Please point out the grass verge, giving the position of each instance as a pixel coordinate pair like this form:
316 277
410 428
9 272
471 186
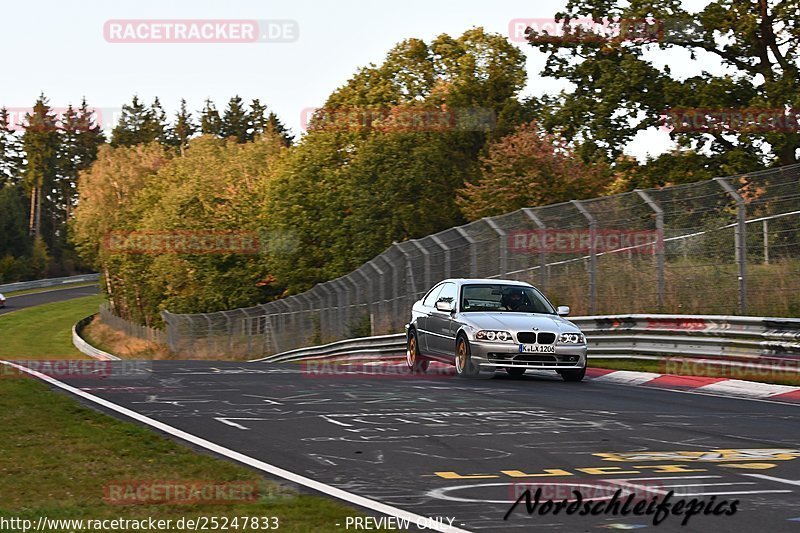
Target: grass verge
45 331
58 458
689 368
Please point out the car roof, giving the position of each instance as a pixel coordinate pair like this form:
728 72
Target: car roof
466 281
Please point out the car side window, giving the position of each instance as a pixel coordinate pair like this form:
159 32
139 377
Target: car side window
449 293
430 300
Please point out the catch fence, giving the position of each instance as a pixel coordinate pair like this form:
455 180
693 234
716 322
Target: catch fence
727 246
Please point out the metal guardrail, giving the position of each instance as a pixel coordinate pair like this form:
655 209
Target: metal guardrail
85 347
52 282
759 341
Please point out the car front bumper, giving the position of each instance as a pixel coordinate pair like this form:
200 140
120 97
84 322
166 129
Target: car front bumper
491 355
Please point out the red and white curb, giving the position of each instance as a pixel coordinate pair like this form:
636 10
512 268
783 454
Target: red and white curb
735 388
715 386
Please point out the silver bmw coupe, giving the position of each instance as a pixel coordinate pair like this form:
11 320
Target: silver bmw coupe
481 325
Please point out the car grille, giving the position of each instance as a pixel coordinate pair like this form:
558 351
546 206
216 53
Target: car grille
530 337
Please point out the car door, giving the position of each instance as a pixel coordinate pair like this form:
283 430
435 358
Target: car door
422 319
440 323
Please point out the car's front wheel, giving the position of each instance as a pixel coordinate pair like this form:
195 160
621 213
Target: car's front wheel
573 375
415 361
465 367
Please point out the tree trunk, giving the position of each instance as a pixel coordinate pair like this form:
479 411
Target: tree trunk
32 221
37 222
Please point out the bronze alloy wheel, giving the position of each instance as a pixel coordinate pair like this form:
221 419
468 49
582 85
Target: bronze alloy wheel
464 366
414 361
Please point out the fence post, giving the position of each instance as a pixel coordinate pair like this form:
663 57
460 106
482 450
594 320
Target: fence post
426 261
473 251
765 231
592 254
740 241
410 281
543 277
446 249
502 235
307 317
395 286
660 252
369 298
343 309
326 331
381 292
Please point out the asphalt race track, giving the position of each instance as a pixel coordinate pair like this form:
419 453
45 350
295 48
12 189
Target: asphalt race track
14 303
441 446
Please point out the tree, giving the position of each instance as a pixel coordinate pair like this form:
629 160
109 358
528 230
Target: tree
80 139
10 151
138 124
14 238
621 87
529 168
262 122
235 121
210 121
107 203
184 128
160 124
40 143
275 126
383 159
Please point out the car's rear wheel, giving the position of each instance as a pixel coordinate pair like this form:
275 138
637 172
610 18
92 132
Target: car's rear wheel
573 375
515 371
415 361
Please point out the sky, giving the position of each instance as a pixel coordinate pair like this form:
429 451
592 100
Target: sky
59 47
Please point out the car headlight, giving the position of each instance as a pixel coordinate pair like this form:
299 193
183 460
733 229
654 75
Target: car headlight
571 338
489 335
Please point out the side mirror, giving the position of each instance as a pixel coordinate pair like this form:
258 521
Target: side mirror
445 305
563 310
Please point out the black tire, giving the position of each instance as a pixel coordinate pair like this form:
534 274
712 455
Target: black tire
414 360
573 375
465 368
515 371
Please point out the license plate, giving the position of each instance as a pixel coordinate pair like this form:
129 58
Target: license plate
537 348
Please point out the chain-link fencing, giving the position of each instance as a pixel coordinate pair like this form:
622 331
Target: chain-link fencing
724 246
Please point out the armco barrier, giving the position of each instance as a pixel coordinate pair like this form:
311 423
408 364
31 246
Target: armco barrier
731 340
52 282
85 347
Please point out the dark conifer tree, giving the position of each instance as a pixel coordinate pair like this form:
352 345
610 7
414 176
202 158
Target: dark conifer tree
210 121
235 121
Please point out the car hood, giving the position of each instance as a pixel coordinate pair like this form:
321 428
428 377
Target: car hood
518 322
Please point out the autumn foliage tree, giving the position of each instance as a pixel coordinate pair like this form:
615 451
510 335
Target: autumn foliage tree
529 168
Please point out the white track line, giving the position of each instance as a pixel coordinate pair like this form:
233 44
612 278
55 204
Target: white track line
777 479
349 497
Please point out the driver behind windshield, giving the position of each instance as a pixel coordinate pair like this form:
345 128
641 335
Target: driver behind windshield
514 300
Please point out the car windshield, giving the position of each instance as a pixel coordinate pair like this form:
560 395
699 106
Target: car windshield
504 299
